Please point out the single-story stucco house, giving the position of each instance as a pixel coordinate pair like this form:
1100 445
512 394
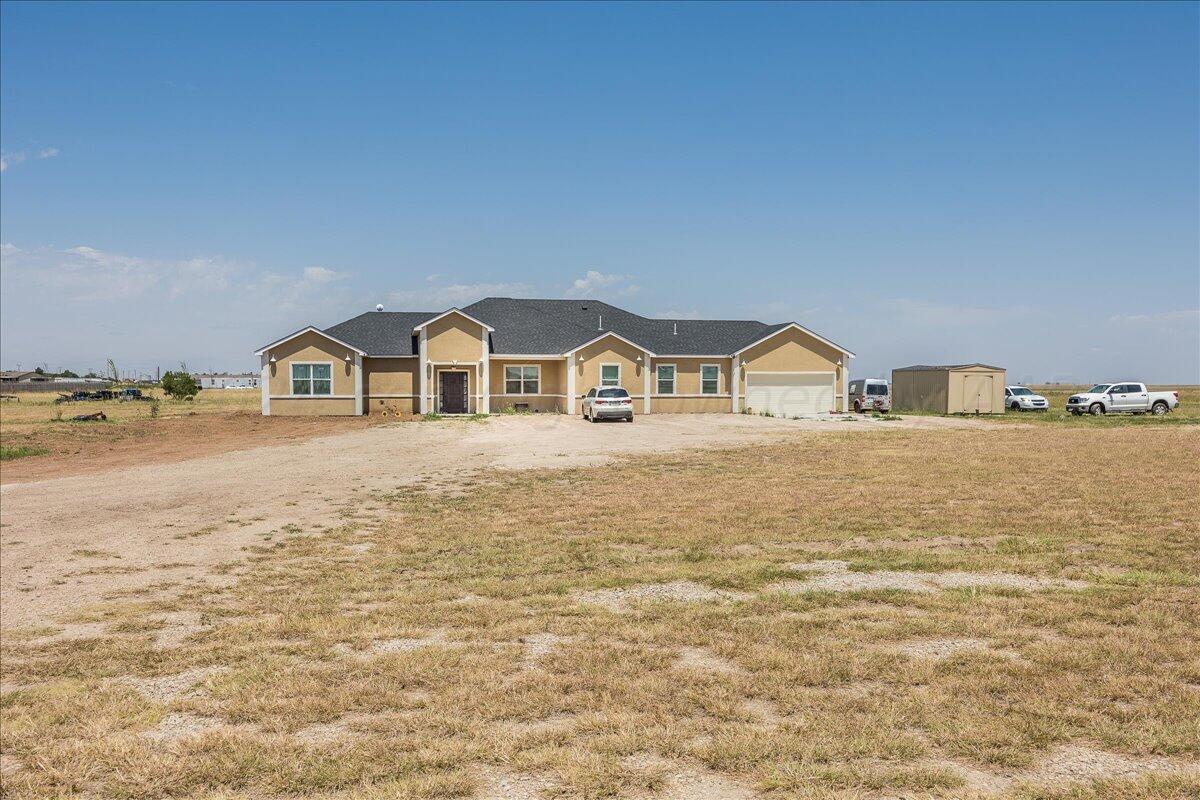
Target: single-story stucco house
543 355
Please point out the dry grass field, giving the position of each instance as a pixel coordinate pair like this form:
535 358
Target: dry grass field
992 611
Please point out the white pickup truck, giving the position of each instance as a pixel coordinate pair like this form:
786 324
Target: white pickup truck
1122 398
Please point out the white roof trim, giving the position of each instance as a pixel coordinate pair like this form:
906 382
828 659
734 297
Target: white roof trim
461 313
798 327
643 348
309 329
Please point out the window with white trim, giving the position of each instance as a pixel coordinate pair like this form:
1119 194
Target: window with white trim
522 379
610 374
312 379
710 379
666 378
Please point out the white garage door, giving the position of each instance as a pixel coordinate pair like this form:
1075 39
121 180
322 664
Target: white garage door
786 394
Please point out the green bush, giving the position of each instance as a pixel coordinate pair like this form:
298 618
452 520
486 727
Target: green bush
180 385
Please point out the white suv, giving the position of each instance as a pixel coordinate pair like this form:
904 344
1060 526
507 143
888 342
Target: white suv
1019 398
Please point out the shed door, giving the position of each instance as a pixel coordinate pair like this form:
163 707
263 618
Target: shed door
786 394
977 393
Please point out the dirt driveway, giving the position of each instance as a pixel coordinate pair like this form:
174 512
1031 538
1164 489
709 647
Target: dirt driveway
71 541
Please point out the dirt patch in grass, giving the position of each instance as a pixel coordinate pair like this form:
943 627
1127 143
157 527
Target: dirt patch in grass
169 687
620 599
1068 765
836 576
704 659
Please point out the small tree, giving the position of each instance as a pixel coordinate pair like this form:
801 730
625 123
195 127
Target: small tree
66 373
180 385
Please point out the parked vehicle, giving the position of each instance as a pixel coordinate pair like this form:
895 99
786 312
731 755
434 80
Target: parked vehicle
607 402
1122 398
131 393
1020 398
870 394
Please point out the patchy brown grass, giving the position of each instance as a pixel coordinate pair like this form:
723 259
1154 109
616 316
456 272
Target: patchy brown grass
456 654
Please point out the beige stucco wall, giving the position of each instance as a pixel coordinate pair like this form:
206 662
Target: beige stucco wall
920 390
609 350
552 386
687 377
959 402
390 376
390 385
793 350
660 404
454 337
318 407
310 346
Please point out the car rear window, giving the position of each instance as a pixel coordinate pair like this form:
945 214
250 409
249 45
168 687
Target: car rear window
612 393
876 388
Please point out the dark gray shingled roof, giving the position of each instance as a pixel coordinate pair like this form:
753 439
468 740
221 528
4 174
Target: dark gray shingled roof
381 333
943 367
556 326
552 327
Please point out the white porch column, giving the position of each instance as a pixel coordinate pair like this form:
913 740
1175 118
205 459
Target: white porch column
570 409
646 385
485 402
735 382
845 388
423 377
265 383
358 385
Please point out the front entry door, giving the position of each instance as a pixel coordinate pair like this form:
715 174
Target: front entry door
452 392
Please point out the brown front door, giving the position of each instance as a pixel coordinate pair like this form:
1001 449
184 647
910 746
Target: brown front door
453 392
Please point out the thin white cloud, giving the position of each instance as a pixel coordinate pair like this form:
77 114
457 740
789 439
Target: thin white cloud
1186 315
16 157
437 296
677 315
600 285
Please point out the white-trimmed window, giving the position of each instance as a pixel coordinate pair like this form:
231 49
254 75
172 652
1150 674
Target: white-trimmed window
710 379
522 379
666 378
610 374
312 379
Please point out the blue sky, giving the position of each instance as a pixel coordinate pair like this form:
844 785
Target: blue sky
1015 184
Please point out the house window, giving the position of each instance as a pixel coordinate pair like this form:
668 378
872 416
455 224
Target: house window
522 380
710 379
309 379
666 378
610 374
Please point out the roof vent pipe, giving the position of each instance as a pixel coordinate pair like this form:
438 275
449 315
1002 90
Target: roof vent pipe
675 329
600 322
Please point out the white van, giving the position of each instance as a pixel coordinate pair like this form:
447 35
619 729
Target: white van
870 394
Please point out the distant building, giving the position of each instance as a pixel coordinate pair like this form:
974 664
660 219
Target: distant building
227 380
14 376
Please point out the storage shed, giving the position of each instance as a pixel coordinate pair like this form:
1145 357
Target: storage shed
949 388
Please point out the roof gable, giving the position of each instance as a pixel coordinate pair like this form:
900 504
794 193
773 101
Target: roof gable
309 329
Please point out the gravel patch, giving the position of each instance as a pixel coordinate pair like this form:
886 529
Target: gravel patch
381 647
935 649
502 784
176 726
180 626
704 659
683 781
169 687
538 645
618 600
835 576
1066 765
